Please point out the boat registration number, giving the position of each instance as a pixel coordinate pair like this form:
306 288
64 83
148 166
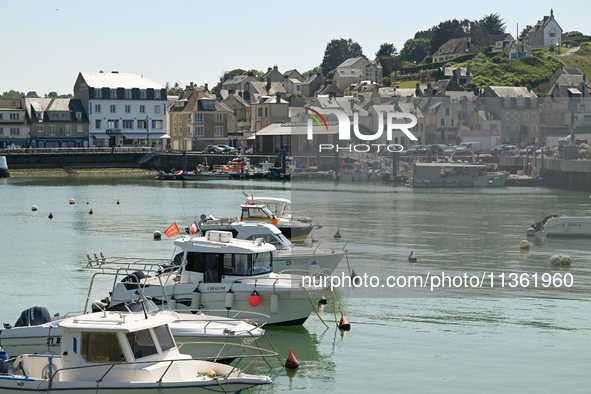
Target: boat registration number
54 341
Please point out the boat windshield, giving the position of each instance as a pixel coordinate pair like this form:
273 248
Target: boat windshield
164 337
261 263
99 347
247 264
141 343
277 240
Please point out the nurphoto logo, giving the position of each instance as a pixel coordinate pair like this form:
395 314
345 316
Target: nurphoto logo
315 114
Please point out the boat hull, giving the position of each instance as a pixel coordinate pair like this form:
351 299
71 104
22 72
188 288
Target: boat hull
307 259
568 226
295 231
426 175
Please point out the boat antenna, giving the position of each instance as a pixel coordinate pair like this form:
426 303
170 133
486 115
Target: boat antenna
182 206
72 283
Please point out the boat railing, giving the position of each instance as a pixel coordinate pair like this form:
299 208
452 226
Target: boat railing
55 375
256 319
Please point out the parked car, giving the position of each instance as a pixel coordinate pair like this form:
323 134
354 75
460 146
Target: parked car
541 149
413 149
469 148
423 149
510 150
438 148
528 150
497 149
227 148
450 149
213 149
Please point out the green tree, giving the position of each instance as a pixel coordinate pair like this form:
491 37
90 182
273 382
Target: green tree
52 95
493 23
415 50
442 33
229 74
479 35
386 81
174 90
386 50
313 71
337 51
13 95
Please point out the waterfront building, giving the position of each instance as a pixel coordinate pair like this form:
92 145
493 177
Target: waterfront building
14 126
124 110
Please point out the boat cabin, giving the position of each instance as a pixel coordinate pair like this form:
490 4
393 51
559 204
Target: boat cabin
218 258
267 232
255 211
278 206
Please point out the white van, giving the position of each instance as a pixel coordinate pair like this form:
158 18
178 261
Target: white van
469 147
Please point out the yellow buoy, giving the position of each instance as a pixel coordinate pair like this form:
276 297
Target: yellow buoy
72 201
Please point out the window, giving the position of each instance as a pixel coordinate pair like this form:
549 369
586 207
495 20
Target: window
128 109
141 343
39 129
516 116
199 131
142 94
127 93
189 118
15 131
260 112
141 124
525 116
68 130
453 123
97 108
266 112
128 124
39 116
218 131
164 337
174 132
54 116
587 119
156 109
198 118
97 124
15 116
157 94
52 130
515 127
442 122
79 128
65 116
507 116
534 128
79 116
113 124
494 126
507 128
98 93
188 131
113 93
2 116
142 109
157 124
533 116
100 348
1 130
218 117
447 112
113 108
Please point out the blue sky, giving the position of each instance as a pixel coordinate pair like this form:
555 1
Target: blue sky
46 43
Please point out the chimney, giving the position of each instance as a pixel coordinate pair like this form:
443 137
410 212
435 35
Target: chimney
206 88
231 92
250 74
268 83
318 74
278 98
240 93
269 69
192 84
275 67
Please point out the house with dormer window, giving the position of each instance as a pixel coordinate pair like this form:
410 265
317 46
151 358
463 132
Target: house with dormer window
14 127
544 33
357 69
453 48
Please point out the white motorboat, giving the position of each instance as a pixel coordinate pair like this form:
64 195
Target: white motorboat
288 256
199 335
123 353
219 272
456 175
280 207
567 226
253 212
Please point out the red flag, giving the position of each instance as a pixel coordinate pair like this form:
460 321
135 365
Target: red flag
172 230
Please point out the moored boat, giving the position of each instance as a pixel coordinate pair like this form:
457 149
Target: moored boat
455 175
124 353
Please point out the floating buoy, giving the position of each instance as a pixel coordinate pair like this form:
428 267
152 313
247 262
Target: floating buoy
565 260
34 208
530 232
157 235
292 362
254 299
90 212
196 298
274 303
524 244
72 201
338 233
323 300
50 215
117 202
344 324
412 258
229 299
555 260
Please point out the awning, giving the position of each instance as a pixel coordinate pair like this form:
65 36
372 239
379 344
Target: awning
100 135
165 137
142 136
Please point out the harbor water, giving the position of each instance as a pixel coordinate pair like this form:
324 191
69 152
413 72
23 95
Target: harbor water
478 336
